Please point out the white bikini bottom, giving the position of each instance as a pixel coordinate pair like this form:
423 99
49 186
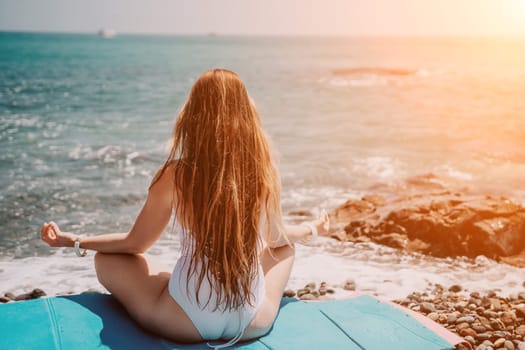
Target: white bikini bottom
218 324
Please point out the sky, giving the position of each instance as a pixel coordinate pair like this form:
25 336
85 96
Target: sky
270 17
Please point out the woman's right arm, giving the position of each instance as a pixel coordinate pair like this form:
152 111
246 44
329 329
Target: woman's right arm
147 228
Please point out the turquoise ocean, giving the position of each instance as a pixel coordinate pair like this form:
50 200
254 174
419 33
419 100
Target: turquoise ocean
84 121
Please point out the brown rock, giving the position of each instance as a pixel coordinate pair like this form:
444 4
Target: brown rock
306 213
310 286
498 343
482 336
452 317
37 293
467 319
289 293
497 324
516 260
460 306
25 296
470 339
394 240
520 310
361 239
4 300
462 325
500 334
490 314
307 296
508 317
520 330
486 345
340 236
375 199
302 292
475 301
462 346
349 285
427 307
495 304
467 331
479 328
353 210
455 288
508 345
441 224
433 316
442 318
418 245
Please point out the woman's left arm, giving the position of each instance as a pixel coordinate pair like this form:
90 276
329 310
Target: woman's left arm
147 229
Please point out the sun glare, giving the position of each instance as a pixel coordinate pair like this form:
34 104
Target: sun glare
514 10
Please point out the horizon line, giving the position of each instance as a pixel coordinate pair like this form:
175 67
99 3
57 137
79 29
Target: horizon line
267 35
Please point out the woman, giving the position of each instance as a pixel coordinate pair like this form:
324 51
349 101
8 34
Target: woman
236 255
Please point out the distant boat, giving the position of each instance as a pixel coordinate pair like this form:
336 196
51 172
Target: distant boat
106 33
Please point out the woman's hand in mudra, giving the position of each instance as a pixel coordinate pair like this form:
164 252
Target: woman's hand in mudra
322 224
51 234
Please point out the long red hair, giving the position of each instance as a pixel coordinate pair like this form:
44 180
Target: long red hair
225 183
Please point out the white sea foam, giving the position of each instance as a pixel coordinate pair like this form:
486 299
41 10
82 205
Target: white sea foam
364 77
457 174
355 82
375 269
379 168
314 199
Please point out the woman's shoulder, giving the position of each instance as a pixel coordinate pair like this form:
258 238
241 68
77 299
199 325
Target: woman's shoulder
165 174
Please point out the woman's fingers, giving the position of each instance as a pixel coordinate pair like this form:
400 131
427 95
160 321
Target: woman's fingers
54 226
43 231
48 233
54 231
52 235
325 222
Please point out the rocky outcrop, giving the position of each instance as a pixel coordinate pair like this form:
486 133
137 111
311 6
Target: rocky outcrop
440 224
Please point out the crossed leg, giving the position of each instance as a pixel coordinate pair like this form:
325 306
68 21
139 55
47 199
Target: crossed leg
277 264
141 286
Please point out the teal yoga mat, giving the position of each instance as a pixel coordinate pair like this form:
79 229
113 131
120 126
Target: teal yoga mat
98 321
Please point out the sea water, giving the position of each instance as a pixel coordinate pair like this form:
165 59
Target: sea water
84 123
